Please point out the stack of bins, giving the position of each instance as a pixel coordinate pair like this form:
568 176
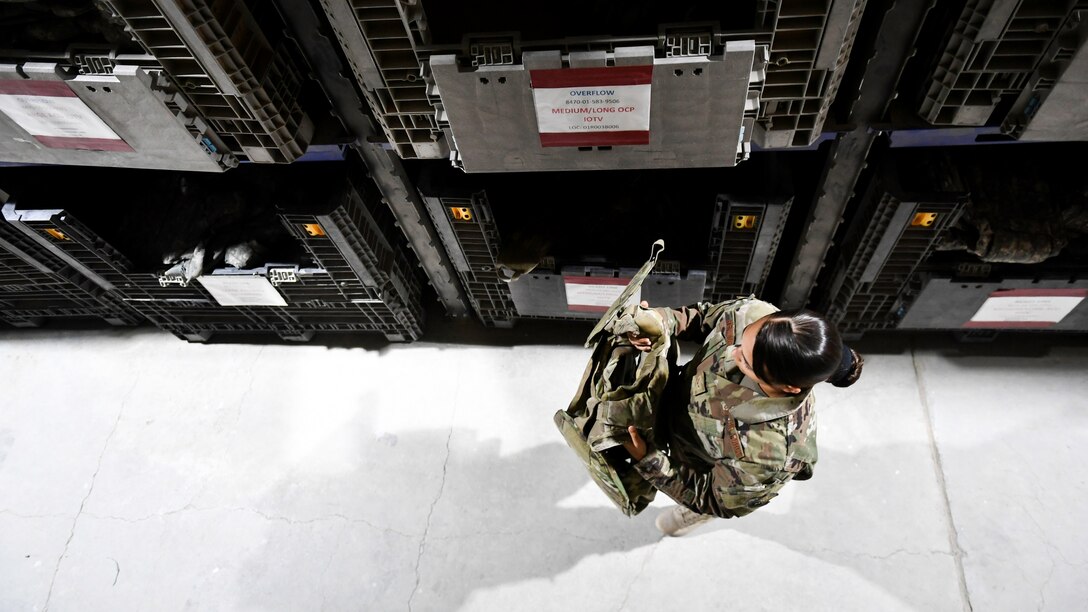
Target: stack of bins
354 277
523 274
244 79
895 229
988 57
391 49
809 50
115 110
37 286
84 251
369 282
1050 106
379 38
77 89
1018 257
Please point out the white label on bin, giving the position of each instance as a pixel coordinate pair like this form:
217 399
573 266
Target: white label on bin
1026 308
235 290
588 294
52 113
578 107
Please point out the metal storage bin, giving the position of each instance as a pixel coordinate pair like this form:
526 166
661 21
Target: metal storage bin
810 46
1016 304
740 259
36 287
202 317
468 232
562 246
894 230
102 109
1051 106
360 280
743 243
471 237
702 91
1002 54
380 39
364 261
584 292
1017 258
643 111
975 240
244 79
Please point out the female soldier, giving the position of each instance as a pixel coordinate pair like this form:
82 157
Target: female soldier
738 421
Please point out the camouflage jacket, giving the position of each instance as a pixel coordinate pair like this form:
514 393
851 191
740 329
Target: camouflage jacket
730 448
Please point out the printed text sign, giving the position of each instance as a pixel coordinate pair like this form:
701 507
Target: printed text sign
56 118
593 106
232 290
1026 308
589 294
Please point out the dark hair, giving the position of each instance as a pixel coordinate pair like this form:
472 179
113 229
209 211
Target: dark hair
801 348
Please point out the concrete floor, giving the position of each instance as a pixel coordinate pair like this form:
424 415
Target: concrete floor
138 472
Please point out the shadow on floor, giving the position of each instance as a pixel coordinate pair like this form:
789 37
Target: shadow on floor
498 521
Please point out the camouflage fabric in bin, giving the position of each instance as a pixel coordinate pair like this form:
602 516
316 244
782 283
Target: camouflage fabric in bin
620 387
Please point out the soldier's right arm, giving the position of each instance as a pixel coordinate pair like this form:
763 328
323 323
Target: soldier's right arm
718 492
695 322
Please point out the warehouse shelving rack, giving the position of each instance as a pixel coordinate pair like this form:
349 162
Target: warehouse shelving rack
360 280
469 234
1003 57
36 287
877 276
389 47
744 239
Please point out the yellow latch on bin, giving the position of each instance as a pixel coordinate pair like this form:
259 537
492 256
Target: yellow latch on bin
745 222
923 219
55 233
460 213
313 229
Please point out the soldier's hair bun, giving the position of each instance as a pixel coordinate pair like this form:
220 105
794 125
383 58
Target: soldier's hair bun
849 369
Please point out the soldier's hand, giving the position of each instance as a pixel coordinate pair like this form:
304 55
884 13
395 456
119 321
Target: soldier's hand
642 343
637 446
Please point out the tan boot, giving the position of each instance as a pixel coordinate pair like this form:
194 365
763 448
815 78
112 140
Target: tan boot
679 520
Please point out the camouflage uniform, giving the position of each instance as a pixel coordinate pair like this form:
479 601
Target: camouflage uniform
729 449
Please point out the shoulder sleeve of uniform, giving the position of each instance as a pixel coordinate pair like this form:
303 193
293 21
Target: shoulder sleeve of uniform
654 465
750 310
695 322
676 481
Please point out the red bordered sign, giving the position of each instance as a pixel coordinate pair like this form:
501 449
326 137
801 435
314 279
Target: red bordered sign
52 113
592 294
578 107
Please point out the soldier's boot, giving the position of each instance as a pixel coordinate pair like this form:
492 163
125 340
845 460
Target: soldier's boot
679 521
